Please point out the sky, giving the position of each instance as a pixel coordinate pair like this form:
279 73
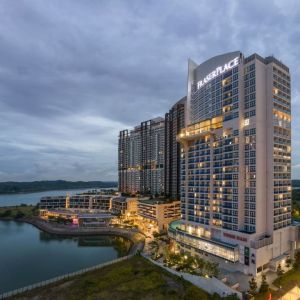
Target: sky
74 73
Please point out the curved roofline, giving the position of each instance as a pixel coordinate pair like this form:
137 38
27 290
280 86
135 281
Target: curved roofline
181 101
221 55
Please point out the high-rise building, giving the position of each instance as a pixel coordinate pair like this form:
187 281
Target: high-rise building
123 160
141 158
236 162
174 122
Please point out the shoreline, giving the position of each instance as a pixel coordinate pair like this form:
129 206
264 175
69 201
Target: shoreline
136 238
53 190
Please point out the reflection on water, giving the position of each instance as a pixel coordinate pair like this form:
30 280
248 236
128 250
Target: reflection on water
120 244
28 255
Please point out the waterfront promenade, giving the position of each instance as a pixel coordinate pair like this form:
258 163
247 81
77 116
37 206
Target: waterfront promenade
137 238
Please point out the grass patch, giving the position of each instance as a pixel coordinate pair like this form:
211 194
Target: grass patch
288 280
135 278
285 283
19 211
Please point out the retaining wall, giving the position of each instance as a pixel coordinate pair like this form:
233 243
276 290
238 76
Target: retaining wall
210 285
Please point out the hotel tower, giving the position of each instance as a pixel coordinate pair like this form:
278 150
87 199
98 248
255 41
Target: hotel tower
236 163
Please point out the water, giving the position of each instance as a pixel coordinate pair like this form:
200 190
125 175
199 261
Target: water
28 255
34 198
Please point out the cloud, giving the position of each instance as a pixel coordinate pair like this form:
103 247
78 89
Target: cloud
74 73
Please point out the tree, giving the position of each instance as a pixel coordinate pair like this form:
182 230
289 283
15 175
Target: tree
279 271
7 213
252 286
200 262
212 269
231 297
264 287
19 215
216 296
288 262
297 260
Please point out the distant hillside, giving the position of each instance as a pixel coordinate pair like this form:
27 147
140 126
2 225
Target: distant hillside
40 186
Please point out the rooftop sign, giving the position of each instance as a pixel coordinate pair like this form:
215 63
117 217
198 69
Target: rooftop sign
219 70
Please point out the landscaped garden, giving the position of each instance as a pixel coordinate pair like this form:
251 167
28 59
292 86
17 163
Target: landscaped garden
191 264
160 250
283 283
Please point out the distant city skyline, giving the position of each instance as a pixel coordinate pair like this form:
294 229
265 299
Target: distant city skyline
73 74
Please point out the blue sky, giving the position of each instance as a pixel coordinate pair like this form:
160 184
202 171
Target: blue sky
74 73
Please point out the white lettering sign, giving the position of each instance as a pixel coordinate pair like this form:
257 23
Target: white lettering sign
219 70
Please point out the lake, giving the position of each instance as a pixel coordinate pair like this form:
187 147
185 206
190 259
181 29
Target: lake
28 255
34 198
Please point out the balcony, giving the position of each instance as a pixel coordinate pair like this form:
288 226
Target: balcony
264 241
200 129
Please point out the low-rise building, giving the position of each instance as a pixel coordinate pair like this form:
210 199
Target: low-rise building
124 205
82 201
158 213
79 217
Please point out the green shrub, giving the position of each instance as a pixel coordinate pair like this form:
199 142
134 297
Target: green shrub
19 215
6 213
252 286
264 287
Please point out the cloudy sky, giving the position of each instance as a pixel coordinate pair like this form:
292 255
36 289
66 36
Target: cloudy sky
74 73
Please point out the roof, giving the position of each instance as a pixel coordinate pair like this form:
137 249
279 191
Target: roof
181 101
157 201
119 199
63 212
175 224
82 215
92 216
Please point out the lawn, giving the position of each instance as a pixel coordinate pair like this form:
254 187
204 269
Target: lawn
135 278
285 283
289 279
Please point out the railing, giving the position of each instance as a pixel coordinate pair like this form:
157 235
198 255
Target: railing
58 278
262 242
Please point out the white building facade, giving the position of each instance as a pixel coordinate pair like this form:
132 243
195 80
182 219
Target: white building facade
236 162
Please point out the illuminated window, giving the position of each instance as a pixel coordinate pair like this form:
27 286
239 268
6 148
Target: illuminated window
246 122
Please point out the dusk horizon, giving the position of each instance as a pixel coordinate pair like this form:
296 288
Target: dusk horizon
73 75
150 149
